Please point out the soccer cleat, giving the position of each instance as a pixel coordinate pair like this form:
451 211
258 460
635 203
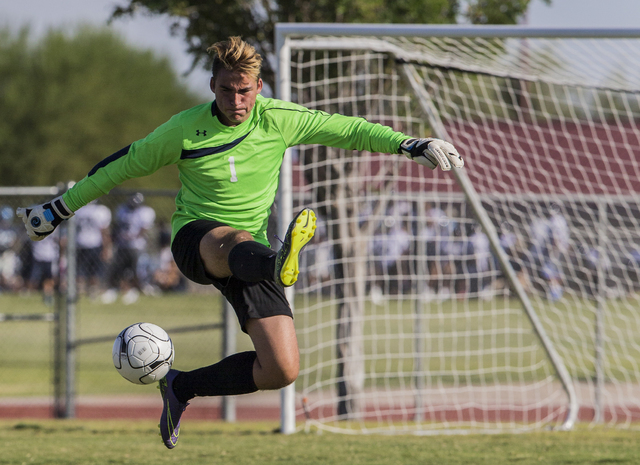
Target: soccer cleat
300 231
171 411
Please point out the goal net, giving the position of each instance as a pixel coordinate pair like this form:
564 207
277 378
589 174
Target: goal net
503 297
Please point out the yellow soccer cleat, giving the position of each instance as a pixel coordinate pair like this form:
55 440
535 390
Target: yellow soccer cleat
300 232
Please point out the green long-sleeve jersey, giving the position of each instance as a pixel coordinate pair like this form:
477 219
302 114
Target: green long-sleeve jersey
230 174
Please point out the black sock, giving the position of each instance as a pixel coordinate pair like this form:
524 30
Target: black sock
230 376
251 262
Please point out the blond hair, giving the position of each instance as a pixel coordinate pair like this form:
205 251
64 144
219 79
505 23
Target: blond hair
235 55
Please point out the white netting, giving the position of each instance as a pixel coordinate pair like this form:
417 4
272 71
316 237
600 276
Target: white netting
404 319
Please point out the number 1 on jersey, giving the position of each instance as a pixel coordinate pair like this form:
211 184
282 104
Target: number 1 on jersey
232 167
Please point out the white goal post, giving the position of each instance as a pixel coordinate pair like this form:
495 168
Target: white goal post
500 297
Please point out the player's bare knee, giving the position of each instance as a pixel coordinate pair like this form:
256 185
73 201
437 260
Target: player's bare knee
289 374
242 236
283 376
278 375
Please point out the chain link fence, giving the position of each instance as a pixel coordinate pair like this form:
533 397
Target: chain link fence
63 300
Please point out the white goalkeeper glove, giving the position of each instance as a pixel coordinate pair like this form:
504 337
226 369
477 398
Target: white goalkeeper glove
431 153
42 220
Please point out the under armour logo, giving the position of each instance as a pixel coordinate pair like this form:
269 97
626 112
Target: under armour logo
201 133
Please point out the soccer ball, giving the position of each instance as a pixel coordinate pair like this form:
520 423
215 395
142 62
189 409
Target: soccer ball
143 353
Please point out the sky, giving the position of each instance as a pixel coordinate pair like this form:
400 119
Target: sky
141 31
585 13
153 32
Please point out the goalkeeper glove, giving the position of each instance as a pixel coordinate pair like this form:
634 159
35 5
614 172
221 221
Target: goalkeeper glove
431 153
42 220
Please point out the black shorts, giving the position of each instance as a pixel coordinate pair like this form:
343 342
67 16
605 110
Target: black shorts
249 300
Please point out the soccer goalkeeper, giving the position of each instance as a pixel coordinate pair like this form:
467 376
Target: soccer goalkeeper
229 154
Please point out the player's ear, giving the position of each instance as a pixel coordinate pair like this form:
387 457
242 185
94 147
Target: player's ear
259 85
212 84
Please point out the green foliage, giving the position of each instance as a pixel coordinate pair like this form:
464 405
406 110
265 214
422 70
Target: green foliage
367 11
204 23
497 11
71 99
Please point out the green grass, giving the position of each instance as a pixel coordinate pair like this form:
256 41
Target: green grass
454 337
118 442
469 336
28 345
496 334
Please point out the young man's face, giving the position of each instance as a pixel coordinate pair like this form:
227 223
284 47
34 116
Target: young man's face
235 96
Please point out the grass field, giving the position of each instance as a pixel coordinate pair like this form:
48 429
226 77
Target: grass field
26 369
388 330
117 442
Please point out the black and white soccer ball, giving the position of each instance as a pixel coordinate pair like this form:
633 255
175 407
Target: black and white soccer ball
143 353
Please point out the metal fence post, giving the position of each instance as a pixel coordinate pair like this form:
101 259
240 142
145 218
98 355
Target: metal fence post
71 299
58 357
228 405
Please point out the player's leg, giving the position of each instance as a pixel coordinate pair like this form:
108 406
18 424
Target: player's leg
226 251
274 364
186 252
277 359
263 312
265 315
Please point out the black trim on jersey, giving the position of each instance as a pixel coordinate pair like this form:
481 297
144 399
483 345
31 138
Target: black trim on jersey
197 153
119 154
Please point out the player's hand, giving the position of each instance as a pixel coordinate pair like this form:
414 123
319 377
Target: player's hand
431 153
42 220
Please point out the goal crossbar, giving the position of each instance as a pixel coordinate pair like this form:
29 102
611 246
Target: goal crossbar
294 30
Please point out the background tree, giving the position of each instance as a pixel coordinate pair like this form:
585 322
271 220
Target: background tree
70 100
203 23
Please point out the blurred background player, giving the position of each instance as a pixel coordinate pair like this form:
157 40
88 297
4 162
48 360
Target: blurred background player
549 240
390 247
10 279
132 222
437 235
513 243
94 245
167 277
475 262
44 266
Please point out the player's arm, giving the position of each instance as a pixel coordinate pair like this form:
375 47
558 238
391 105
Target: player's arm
162 147
315 127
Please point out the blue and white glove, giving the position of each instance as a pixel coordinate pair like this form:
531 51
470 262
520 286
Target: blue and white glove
42 220
431 153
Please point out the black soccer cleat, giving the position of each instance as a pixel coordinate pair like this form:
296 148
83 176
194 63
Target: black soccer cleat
172 410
